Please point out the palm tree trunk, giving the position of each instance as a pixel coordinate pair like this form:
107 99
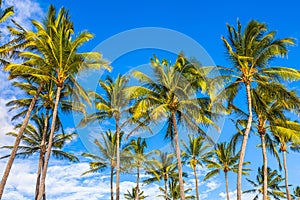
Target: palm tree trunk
118 160
111 183
264 152
227 189
178 154
196 181
48 153
44 194
166 188
244 143
42 155
137 183
286 176
18 140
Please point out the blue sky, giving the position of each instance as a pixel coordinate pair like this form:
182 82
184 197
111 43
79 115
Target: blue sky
204 22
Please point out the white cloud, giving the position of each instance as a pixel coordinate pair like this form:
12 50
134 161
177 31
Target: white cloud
212 185
232 195
25 11
64 181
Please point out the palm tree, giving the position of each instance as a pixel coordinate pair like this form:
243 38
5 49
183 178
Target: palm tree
287 136
270 103
168 96
113 106
250 51
274 189
141 159
58 50
164 168
195 152
13 74
44 102
134 194
223 160
33 138
107 157
174 192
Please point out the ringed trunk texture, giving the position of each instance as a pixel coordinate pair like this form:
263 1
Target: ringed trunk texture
111 183
18 140
178 154
118 160
196 181
137 183
227 189
244 143
265 160
286 176
48 153
42 155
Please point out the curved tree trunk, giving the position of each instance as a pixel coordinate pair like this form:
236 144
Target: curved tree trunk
137 183
111 183
48 153
264 152
196 182
42 154
227 189
178 154
286 176
244 143
166 189
18 140
118 160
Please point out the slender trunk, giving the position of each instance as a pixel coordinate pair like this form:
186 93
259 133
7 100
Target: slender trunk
118 160
244 143
111 183
37 185
137 183
48 153
178 154
286 176
264 152
44 194
227 189
166 188
196 181
42 154
18 140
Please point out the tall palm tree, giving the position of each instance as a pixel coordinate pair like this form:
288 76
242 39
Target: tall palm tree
140 159
167 95
164 168
270 103
45 102
133 194
223 160
33 138
113 105
250 50
107 156
274 187
40 78
287 136
195 152
57 49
